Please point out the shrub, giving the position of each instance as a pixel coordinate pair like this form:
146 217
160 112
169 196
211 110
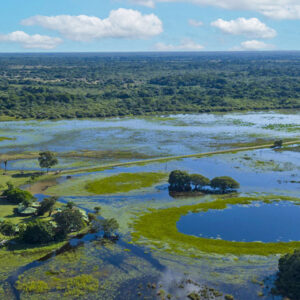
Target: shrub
8 228
38 232
17 196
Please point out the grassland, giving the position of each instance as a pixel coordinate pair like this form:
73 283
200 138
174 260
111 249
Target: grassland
124 182
157 229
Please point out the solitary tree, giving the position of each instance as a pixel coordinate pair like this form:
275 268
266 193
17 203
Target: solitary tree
5 165
179 181
277 144
97 210
224 183
47 160
199 181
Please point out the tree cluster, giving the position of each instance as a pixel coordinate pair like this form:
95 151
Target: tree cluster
181 181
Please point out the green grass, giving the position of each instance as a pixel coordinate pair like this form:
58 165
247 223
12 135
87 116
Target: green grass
157 228
7 213
124 182
72 287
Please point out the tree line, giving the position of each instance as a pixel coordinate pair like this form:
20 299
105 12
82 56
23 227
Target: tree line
80 86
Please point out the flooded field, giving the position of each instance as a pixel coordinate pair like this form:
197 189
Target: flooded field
169 246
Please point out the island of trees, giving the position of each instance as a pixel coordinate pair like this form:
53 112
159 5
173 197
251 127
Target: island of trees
182 181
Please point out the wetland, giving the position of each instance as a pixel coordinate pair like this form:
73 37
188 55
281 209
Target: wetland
221 246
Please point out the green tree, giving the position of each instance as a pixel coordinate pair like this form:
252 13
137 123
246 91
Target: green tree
17 196
47 160
47 205
70 204
97 210
288 276
199 181
224 183
277 144
179 181
38 232
69 220
7 228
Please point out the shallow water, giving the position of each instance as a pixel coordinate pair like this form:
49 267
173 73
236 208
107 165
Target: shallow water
150 135
276 222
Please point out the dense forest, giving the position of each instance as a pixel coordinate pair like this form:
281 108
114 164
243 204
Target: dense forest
54 86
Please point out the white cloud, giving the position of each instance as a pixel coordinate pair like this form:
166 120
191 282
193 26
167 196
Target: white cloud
253 28
121 23
276 9
27 41
148 3
255 45
195 23
185 45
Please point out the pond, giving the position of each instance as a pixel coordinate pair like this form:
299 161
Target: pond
276 222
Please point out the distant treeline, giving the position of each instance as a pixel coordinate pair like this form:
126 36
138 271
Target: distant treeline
94 85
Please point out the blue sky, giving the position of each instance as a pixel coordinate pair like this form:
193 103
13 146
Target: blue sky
149 25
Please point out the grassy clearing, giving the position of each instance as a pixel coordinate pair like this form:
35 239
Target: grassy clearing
157 228
124 182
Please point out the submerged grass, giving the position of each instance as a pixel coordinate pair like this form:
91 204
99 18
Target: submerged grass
124 182
157 228
72 287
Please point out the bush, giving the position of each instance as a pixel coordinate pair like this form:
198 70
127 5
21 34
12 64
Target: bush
287 282
8 228
38 232
17 196
108 226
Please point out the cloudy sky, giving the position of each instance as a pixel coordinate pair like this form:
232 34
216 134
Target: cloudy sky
149 25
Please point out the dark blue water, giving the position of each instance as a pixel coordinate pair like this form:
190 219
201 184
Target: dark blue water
258 222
